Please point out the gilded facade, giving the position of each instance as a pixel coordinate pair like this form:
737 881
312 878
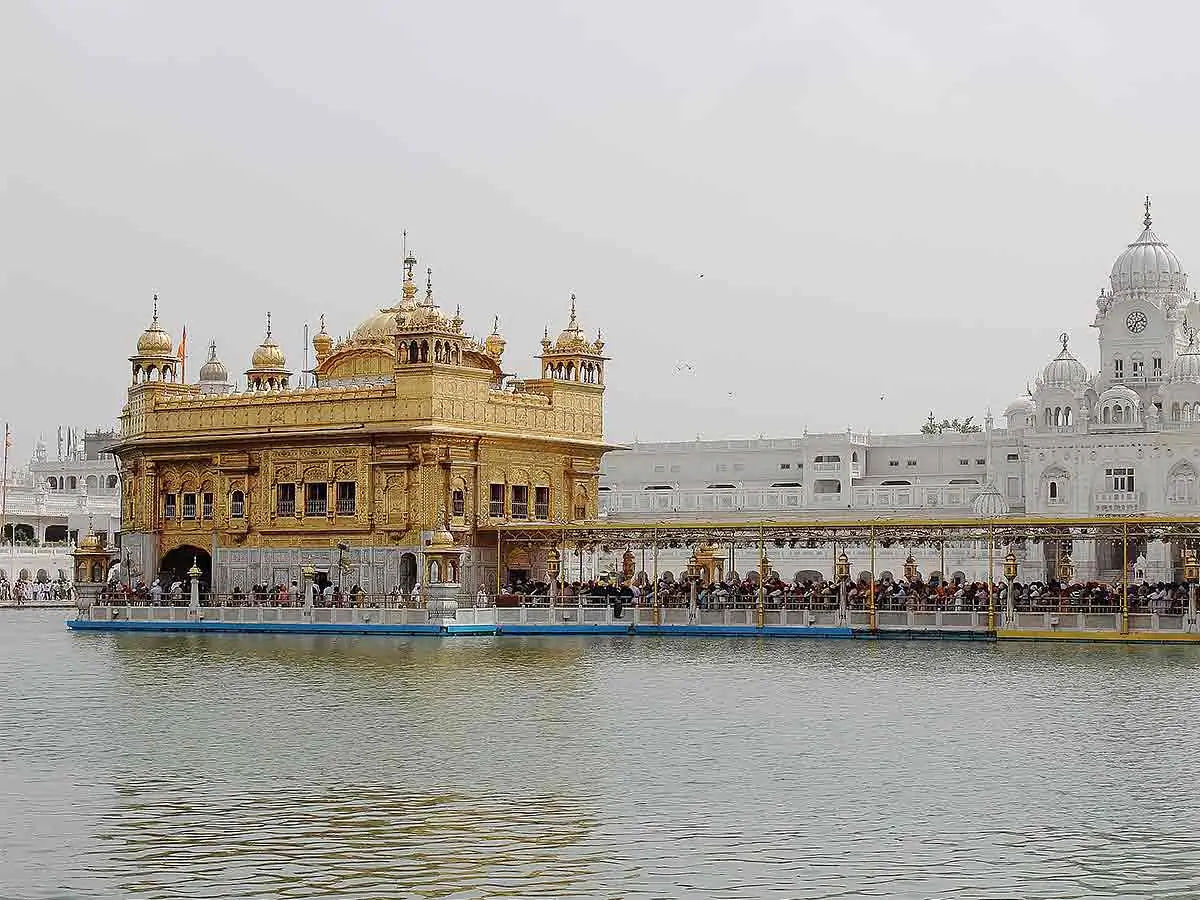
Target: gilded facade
410 424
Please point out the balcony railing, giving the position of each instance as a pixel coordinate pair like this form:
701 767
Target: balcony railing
314 507
827 467
285 508
1118 501
346 507
827 499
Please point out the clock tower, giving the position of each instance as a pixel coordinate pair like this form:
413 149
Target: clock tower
1140 317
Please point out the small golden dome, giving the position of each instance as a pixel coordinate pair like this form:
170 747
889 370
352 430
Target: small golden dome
441 538
90 543
268 354
571 338
494 344
154 341
322 342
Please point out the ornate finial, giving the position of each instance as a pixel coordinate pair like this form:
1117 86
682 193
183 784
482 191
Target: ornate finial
268 325
458 310
322 323
496 325
1064 339
571 324
546 333
154 321
212 351
429 284
597 335
1146 220
404 242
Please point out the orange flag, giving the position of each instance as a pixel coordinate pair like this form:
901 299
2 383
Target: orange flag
183 355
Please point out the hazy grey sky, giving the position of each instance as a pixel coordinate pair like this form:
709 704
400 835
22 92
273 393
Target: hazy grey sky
900 199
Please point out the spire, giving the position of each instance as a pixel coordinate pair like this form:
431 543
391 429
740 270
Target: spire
410 289
212 351
572 324
429 285
268 325
1065 339
1146 220
154 321
496 325
322 323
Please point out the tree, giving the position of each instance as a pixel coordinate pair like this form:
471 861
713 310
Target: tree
961 426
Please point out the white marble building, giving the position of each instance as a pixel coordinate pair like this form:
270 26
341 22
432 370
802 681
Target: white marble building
1124 440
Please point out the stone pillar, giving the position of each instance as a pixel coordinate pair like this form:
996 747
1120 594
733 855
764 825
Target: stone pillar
1158 561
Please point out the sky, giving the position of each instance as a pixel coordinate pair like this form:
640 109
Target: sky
782 215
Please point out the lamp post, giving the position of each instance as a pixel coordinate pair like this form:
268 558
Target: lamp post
1191 574
841 571
309 572
1010 575
1066 571
194 574
553 563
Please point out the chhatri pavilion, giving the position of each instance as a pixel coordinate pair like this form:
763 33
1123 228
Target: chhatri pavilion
410 429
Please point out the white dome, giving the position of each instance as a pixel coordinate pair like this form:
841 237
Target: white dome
1022 406
1120 393
1148 264
214 370
990 503
1065 370
1186 368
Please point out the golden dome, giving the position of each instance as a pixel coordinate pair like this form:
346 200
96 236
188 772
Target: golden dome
154 341
441 538
378 327
494 344
268 354
322 342
571 338
90 543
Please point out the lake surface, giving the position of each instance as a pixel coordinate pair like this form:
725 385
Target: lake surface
203 766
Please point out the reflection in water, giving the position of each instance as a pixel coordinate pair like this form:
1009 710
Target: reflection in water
343 839
338 766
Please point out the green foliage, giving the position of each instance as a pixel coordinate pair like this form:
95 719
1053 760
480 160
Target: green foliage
961 426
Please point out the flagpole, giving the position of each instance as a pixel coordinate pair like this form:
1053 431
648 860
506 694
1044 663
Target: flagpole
4 494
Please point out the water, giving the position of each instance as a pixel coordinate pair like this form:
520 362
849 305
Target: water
202 766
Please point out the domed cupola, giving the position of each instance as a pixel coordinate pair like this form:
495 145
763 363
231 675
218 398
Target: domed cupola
1147 265
989 503
268 366
1064 371
155 359
154 341
214 377
1020 413
1186 368
213 369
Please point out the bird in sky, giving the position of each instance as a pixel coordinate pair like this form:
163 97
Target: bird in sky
684 367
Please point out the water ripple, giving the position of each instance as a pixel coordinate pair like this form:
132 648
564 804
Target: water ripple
185 766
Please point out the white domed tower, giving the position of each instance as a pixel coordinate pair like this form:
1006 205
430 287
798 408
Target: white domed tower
1021 414
1058 395
1181 397
214 377
1140 318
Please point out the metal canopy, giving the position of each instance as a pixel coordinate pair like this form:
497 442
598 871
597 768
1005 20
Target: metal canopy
881 532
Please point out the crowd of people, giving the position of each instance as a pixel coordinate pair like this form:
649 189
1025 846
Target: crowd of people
956 596
35 591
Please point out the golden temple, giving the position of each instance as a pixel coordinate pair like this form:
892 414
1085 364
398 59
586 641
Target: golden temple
410 427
